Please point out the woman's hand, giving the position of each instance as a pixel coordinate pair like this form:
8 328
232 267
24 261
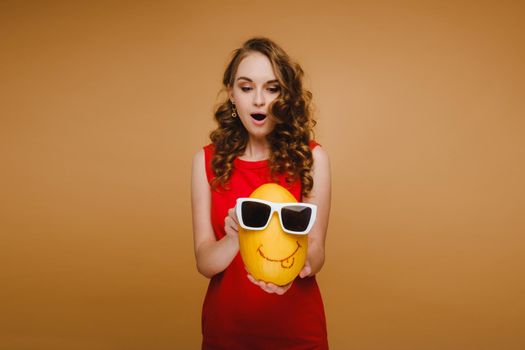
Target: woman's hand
270 287
306 271
231 224
280 290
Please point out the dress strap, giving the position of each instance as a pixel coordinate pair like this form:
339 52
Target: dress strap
313 144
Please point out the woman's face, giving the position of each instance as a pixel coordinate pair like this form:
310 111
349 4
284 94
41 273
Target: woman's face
254 88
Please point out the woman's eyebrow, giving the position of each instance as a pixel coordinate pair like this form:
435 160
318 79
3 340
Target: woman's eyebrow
268 82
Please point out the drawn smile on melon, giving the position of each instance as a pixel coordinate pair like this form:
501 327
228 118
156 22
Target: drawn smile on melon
286 262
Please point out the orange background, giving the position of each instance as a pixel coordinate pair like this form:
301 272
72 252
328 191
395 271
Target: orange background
420 105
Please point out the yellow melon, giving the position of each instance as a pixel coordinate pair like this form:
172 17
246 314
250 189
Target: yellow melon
272 255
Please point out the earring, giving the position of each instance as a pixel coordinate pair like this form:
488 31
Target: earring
234 111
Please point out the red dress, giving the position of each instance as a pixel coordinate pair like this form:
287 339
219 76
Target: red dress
236 313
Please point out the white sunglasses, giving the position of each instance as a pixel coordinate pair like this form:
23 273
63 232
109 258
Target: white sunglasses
295 218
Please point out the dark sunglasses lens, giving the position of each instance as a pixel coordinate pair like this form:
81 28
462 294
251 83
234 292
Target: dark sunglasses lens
255 214
296 217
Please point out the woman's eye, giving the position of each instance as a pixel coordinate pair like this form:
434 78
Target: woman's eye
274 89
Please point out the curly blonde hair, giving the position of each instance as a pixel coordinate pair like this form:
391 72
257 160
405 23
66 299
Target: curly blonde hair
289 141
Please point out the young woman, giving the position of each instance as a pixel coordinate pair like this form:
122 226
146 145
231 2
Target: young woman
264 135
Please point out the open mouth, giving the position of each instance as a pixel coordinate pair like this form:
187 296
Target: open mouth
286 262
258 116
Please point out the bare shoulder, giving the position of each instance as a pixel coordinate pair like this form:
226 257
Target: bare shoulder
198 165
198 173
198 157
320 193
320 156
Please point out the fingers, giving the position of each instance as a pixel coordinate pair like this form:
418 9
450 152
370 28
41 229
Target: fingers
278 289
231 227
270 287
233 214
306 271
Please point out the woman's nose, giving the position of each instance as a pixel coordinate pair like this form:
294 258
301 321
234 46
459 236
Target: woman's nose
258 99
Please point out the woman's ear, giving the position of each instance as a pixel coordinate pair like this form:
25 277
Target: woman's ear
230 95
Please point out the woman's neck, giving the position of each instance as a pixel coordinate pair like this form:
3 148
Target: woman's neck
256 149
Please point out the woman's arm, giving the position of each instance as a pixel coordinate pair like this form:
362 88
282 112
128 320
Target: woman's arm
321 196
212 256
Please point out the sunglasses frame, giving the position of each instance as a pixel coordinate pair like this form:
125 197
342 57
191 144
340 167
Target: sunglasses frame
275 207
